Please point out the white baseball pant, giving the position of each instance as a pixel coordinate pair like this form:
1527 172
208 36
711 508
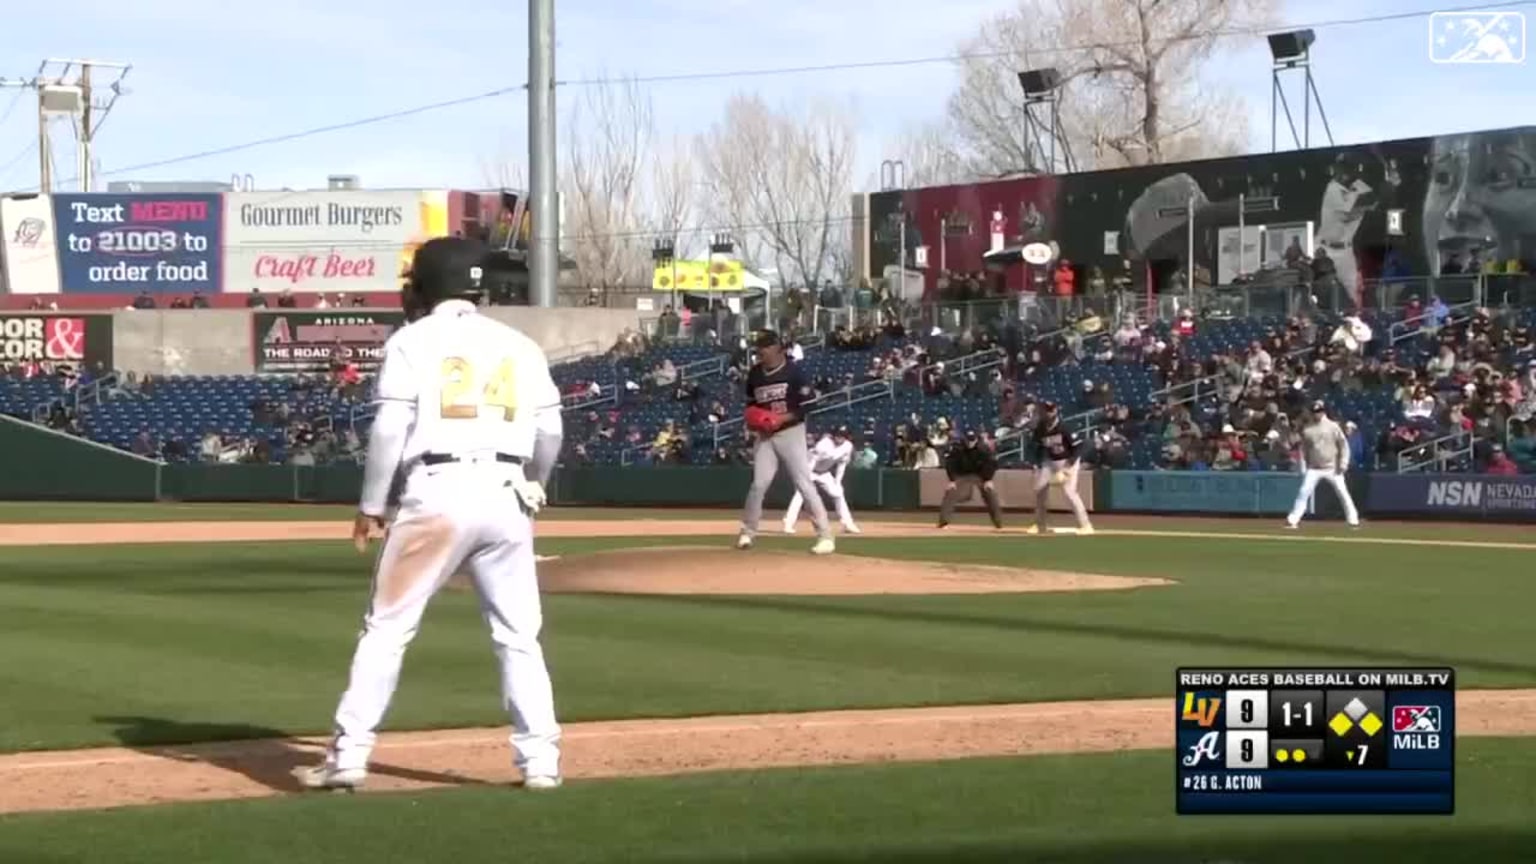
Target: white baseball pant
453 516
1309 482
1045 475
827 484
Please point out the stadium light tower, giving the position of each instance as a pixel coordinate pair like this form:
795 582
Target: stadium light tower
1291 51
1043 87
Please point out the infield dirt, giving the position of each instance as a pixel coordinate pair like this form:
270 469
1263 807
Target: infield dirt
110 777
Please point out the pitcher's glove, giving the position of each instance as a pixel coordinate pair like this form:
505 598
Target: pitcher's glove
760 420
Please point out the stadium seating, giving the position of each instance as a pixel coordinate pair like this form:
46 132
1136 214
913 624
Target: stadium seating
186 408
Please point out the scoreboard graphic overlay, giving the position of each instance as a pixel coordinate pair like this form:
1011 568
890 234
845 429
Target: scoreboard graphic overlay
1315 740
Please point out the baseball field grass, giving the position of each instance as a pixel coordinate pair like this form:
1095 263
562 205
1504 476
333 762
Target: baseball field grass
159 644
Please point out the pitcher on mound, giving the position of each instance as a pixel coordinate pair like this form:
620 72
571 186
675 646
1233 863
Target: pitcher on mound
778 396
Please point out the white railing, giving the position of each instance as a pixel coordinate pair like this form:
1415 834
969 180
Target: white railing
1437 453
1411 327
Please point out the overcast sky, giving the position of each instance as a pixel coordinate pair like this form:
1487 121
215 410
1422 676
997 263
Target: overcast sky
209 75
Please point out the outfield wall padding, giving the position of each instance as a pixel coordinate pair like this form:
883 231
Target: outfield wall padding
43 465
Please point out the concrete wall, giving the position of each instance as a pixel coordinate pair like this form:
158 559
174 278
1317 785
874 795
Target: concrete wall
183 342
219 341
564 332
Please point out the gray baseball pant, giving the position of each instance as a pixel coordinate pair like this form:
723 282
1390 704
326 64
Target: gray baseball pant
1067 470
785 449
965 487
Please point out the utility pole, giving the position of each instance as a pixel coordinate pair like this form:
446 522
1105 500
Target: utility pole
544 257
83 90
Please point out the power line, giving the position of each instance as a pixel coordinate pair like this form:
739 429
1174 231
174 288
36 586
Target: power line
15 160
1227 33
777 71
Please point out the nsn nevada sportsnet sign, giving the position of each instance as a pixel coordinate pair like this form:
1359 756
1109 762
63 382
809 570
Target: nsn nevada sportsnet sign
1454 494
56 338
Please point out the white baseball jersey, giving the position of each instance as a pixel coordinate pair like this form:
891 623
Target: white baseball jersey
456 383
830 457
1340 218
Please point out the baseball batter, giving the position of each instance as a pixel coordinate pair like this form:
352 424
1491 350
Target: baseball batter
1057 460
467 429
778 396
1325 450
829 460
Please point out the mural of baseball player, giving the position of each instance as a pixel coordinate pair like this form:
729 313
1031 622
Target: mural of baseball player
829 460
1057 460
778 397
1325 451
970 465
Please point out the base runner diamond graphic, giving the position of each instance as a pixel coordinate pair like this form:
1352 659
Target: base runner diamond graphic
1340 724
1371 724
1356 709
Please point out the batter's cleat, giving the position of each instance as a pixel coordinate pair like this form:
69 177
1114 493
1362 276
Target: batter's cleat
744 541
1291 526
542 782
788 528
1085 531
328 776
824 546
851 528
1033 529
942 525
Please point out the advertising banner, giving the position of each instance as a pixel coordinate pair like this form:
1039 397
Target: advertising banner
1246 493
124 244
1468 495
307 341
28 255
344 241
69 339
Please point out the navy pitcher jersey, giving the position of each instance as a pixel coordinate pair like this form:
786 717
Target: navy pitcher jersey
1055 443
784 390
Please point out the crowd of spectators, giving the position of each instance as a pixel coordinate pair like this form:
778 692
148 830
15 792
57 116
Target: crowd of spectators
1454 381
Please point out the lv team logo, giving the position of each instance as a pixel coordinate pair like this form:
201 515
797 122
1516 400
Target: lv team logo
1201 710
1416 727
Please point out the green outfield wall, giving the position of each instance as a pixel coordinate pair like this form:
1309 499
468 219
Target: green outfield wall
43 465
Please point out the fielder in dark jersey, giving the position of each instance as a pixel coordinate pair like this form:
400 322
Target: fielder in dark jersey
1057 459
775 383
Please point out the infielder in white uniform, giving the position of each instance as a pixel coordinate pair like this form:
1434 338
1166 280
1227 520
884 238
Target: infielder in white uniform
468 429
829 461
1325 452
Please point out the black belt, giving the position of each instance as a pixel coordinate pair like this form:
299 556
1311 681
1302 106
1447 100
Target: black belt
446 458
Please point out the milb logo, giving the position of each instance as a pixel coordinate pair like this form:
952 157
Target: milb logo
1416 727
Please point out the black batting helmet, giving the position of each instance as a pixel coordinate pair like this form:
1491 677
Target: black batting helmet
444 268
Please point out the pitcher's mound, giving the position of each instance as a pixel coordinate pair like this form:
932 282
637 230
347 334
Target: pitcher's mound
701 570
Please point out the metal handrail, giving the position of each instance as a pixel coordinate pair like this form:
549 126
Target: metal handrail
704 368
1464 443
573 353
1413 326
1018 441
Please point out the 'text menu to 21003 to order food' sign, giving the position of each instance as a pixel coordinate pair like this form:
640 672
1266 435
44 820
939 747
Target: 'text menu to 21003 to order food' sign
344 241
124 244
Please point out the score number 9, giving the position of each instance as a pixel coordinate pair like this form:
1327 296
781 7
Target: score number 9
462 400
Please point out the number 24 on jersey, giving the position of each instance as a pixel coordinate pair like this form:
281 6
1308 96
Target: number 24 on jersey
462 399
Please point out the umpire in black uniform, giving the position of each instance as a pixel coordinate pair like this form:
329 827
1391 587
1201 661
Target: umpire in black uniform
970 466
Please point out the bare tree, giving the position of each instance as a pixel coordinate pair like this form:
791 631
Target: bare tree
782 181
672 193
929 157
609 136
1132 89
